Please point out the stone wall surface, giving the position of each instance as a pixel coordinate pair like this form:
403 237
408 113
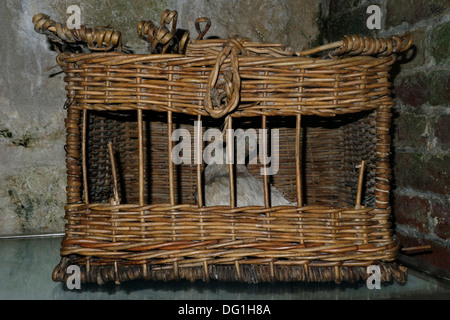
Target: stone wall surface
32 173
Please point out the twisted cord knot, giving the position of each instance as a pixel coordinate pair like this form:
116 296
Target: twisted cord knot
230 93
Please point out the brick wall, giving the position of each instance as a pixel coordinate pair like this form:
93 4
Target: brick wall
421 126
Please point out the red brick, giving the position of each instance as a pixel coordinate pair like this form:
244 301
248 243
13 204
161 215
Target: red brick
442 131
418 88
410 129
422 171
411 89
439 44
441 215
412 11
439 87
412 211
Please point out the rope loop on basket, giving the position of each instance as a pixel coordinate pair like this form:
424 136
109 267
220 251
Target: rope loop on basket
232 85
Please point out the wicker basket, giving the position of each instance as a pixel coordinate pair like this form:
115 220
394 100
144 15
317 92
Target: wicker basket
134 214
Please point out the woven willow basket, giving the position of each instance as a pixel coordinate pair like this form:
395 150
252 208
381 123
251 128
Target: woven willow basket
133 214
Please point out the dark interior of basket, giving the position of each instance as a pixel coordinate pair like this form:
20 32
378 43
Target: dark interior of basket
332 149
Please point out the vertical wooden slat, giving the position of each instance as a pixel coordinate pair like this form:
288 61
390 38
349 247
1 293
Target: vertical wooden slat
171 178
298 144
230 159
116 199
169 138
141 165
266 182
199 158
141 176
114 173
169 156
140 141
199 148
298 174
84 167
264 162
298 163
170 163
264 149
141 156
84 157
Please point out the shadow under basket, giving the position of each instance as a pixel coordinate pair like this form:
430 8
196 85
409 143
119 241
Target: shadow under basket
134 213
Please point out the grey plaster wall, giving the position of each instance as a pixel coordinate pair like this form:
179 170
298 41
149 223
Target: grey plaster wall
32 134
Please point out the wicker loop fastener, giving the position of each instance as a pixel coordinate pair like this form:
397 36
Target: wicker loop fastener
232 82
154 35
362 45
169 16
201 33
172 41
96 39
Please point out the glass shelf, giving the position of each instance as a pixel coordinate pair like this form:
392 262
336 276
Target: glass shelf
26 266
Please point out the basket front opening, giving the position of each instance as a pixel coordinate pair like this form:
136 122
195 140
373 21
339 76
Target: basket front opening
331 150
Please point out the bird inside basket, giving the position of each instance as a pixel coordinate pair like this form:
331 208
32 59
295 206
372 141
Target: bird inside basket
249 189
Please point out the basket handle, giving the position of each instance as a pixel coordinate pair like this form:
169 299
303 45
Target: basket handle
96 39
363 45
232 82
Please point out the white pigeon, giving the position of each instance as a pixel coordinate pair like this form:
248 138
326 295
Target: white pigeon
249 190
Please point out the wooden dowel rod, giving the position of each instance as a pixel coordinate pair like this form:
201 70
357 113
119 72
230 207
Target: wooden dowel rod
264 151
170 147
298 155
114 173
264 158
360 183
199 152
83 157
417 249
169 140
171 164
230 159
199 148
332 45
141 156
